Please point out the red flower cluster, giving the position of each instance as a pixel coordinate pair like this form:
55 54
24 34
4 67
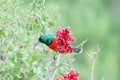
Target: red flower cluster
64 36
72 75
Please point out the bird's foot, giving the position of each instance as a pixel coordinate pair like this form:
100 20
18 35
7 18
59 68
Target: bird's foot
56 59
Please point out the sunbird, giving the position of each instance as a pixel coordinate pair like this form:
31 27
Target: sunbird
50 41
60 42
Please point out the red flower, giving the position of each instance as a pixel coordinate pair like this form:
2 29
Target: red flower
72 75
64 36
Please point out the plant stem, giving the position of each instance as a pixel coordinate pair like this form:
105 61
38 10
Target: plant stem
92 69
93 56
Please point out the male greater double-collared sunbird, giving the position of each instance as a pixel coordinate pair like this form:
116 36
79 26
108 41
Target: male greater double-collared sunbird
60 42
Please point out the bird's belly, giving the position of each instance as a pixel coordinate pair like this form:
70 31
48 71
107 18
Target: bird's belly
53 45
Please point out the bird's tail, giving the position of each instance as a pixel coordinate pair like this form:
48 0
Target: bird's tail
79 48
76 50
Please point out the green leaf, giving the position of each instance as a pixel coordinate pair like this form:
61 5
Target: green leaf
51 24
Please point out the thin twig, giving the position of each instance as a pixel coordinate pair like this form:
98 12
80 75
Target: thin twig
15 20
102 78
93 55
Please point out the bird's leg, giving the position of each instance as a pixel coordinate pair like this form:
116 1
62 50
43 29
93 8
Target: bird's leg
56 58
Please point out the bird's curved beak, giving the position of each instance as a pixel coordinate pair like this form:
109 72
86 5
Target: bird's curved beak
36 44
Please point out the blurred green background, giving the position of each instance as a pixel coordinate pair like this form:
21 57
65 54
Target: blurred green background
98 21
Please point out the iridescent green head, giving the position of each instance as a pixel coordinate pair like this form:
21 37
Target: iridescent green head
46 38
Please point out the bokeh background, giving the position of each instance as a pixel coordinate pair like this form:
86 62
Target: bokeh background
99 22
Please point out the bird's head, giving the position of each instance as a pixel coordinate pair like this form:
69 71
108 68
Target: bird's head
45 39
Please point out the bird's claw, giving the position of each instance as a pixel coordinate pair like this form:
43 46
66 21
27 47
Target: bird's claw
56 57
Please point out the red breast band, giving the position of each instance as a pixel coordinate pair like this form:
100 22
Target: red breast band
53 45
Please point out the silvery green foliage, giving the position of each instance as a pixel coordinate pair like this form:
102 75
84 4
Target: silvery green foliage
20 26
